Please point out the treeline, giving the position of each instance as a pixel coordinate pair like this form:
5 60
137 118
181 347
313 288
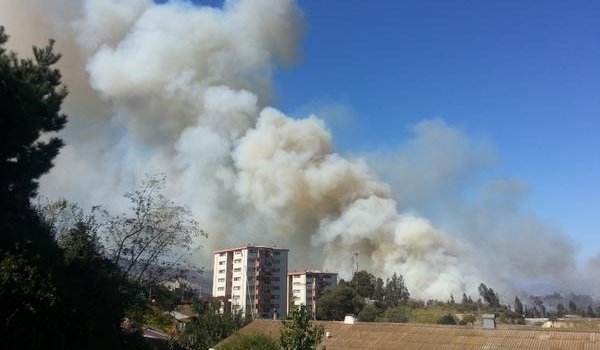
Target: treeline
374 300
71 279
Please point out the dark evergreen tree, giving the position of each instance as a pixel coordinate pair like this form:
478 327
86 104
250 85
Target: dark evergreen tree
518 306
560 310
572 307
52 298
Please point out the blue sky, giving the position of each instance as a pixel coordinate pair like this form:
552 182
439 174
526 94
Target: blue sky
524 75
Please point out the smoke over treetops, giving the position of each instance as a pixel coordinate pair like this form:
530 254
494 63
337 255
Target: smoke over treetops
185 90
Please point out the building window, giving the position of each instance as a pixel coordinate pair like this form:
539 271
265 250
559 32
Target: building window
237 252
251 251
221 262
275 287
236 287
296 290
251 278
237 269
296 277
276 253
276 279
297 283
220 289
221 280
251 260
237 278
221 271
222 254
237 261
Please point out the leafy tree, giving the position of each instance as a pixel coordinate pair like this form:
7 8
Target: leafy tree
489 296
518 306
46 289
379 293
451 300
252 341
396 291
210 327
465 300
150 241
364 283
336 302
298 333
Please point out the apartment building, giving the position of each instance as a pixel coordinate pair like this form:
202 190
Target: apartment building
252 279
306 287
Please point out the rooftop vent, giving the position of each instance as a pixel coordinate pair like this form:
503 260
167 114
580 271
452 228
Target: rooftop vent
489 321
349 319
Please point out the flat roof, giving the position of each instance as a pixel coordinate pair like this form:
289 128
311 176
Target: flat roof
315 272
249 246
403 336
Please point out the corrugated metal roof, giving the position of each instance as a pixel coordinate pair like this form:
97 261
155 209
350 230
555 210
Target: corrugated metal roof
405 336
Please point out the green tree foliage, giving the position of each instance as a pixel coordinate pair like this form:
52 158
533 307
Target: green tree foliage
379 292
364 284
489 296
30 98
369 313
396 292
210 327
446 319
518 306
149 241
298 333
52 298
336 302
252 341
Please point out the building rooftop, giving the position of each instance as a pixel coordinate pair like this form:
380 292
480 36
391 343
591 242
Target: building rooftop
249 246
392 336
302 272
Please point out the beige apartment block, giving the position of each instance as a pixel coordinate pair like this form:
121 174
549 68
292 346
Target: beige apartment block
306 287
252 279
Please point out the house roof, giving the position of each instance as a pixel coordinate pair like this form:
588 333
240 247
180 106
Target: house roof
405 336
249 246
313 272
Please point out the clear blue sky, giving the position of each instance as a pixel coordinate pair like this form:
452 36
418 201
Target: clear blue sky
523 74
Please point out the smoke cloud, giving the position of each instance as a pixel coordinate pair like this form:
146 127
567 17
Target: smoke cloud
184 90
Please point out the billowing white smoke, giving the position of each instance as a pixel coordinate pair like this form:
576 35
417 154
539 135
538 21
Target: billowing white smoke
188 88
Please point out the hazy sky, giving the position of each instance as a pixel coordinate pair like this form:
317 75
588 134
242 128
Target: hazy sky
522 75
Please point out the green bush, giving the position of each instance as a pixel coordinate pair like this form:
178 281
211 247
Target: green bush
399 315
369 313
446 319
252 341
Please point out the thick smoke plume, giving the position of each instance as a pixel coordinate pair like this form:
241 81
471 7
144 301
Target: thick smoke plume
185 90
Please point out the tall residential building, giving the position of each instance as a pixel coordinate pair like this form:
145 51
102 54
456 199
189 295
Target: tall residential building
252 279
306 287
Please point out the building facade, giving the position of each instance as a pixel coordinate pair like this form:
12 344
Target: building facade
306 287
252 279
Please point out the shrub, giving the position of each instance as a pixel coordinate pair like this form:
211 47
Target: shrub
446 319
252 341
